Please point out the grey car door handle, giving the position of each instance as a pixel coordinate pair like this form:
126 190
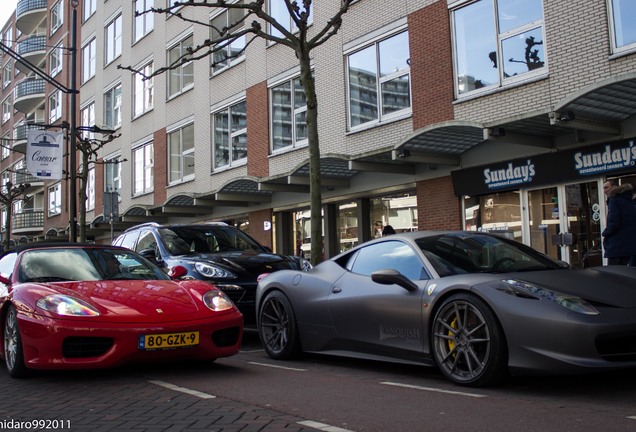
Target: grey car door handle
336 290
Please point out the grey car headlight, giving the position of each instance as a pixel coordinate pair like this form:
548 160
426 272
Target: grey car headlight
212 271
574 303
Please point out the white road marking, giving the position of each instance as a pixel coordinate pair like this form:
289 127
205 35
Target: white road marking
433 389
183 390
632 417
278 367
322 426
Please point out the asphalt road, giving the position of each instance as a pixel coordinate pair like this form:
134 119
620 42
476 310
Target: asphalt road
250 392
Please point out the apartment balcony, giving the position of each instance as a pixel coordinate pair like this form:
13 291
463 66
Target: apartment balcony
29 13
28 221
23 176
29 94
32 49
21 135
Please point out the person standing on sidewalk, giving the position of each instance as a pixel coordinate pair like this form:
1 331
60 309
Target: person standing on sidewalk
619 236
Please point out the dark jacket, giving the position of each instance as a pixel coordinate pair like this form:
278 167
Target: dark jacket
620 233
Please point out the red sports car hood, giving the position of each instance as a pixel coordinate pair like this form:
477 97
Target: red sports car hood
147 301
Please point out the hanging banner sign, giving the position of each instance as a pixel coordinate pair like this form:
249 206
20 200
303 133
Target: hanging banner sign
45 154
572 165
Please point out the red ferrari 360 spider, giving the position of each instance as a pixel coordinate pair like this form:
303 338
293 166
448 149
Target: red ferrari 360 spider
66 306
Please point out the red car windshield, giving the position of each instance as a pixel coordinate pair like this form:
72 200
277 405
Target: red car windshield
84 264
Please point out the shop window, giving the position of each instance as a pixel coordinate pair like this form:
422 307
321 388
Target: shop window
399 211
347 226
499 213
302 233
497 42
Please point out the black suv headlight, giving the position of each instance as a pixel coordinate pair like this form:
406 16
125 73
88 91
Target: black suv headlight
212 271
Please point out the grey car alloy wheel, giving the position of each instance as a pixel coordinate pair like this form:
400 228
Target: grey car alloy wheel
277 327
468 344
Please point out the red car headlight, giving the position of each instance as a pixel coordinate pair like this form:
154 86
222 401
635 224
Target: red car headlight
217 301
66 306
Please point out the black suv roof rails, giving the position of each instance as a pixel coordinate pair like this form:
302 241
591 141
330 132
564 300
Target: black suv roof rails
145 224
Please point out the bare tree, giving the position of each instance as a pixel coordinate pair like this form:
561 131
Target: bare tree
8 194
299 38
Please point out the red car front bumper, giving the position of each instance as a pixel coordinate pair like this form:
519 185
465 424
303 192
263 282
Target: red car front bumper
44 339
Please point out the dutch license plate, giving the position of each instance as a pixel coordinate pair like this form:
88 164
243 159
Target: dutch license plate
168 340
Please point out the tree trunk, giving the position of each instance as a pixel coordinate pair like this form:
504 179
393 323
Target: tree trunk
315 191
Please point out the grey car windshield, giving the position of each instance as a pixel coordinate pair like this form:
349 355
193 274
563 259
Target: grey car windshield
460 253
194 240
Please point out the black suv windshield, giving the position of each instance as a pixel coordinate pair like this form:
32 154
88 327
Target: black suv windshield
185 240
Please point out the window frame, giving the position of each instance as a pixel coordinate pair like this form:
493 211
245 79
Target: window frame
230 61
7 109
113 33
54 193
613 29
87 119
146 92
500 37
179 72
183 155
376 43
146 150
90 188
6 147
295 111
89 61
55 106
145 21
57 16
113 101
7 74
89 8
229 134
55 60
291 27
112 174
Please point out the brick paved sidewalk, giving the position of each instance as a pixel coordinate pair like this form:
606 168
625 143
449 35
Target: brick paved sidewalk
108 401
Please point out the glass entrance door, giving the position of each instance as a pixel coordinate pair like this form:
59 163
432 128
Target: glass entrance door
565 223
584 207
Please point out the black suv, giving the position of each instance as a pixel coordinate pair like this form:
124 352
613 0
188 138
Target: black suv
215 252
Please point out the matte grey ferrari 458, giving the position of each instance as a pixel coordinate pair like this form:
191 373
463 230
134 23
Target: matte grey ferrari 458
476 305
